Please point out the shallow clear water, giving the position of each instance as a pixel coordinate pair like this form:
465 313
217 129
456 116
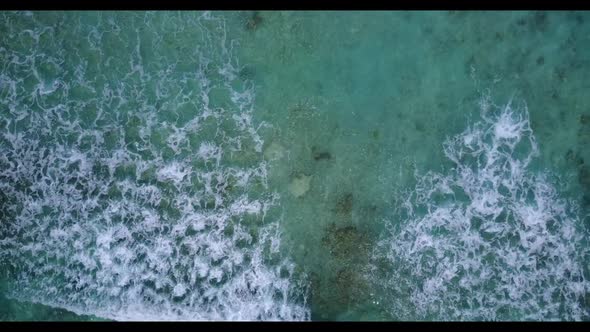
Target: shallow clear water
294 166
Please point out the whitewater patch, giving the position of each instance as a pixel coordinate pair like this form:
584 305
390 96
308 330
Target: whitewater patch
490 239
121 204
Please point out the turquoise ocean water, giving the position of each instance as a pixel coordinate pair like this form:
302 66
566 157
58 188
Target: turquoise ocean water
294 165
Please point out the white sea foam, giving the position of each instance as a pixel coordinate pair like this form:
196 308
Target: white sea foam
90 220
210 151
489 240
174 172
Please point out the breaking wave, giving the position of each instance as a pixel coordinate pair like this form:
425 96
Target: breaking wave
133 187
490 239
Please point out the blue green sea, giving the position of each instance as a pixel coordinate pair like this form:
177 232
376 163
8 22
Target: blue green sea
295 165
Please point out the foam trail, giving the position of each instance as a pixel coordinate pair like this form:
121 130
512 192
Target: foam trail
489 240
